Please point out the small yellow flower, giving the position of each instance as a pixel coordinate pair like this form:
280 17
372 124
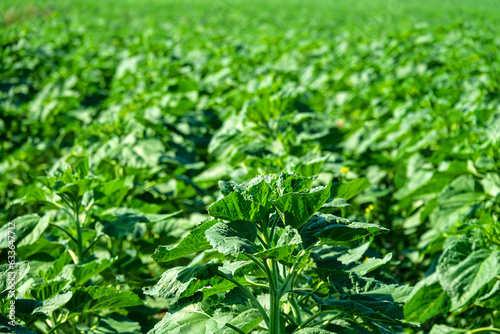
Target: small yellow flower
369 208
344 170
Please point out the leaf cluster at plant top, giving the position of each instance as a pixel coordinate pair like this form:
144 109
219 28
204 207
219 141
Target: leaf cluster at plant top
276 265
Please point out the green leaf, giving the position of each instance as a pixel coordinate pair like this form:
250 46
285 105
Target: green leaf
310 167
236 206
332 234
427 300
354 254
50 305
364 306
46 290
315 224
98 298
85 271
370 265
52 269
349 189
312 331
286 183
246 321
463 271
19 270
180 282
116 323
5 327
370 287
256 190
347 326
191 319
194 242
336 203
443 329
295 209
233 238
460 193
28 229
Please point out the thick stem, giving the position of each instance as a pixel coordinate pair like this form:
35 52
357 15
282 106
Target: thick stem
275 327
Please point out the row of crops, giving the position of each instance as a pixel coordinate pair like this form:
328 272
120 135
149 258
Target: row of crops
281 167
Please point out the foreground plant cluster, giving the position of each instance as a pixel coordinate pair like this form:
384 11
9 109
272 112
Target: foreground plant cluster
205 169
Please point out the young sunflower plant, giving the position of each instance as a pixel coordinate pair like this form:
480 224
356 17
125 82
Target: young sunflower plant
268 262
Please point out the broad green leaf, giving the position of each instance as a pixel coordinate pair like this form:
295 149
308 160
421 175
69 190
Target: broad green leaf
97 298
336 203
427 300
347 326
52 269
333 234
295 209
369 287
461 192
28 229
85 271
116 323
310 167
180 282
256 190
354 254
286 183
233 238
349 189
443 329
364 306
370 265
246 321
463 280
312 331
194 242
236 207
18 271
50 305
315 224
46 290
5 327
191 319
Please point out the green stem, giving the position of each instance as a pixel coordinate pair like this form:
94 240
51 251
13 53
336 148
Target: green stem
234 328
289 318
65 231
484 330
275 327
92 244
79 232
311 318
262 241
256 261
295 308
273 227
248 293
53 329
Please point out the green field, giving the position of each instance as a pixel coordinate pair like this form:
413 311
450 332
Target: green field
201 167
